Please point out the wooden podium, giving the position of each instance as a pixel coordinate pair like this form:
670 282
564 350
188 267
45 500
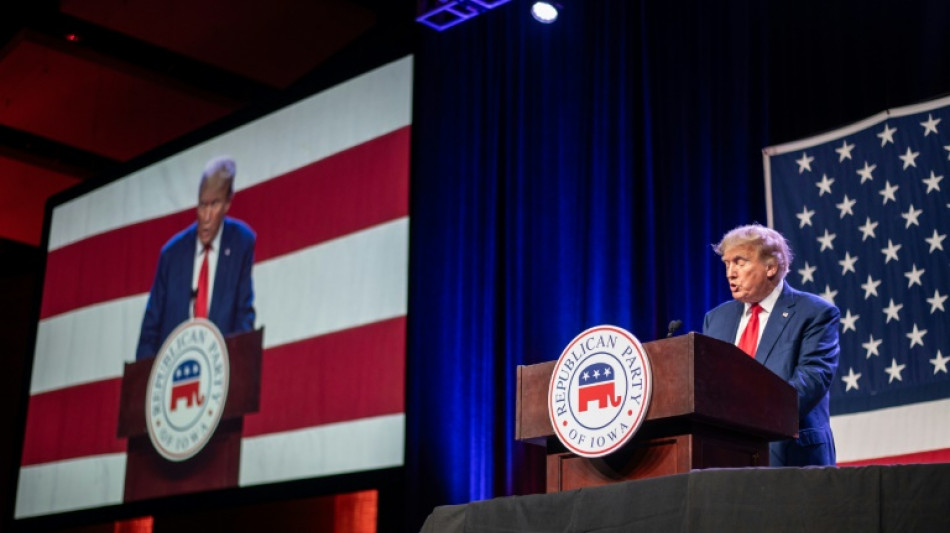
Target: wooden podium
712 406
216 466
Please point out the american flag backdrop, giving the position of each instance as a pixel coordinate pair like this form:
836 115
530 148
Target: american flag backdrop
866 209
324 183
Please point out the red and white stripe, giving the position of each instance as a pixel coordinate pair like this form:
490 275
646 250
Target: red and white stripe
325 184
912 433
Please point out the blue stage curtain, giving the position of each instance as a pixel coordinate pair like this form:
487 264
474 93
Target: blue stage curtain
560 182
575 174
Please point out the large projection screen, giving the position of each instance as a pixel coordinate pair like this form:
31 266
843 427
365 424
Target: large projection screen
324 184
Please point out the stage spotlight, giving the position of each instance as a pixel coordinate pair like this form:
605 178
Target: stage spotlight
544 12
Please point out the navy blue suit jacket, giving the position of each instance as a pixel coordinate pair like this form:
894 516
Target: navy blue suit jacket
170 300
799 344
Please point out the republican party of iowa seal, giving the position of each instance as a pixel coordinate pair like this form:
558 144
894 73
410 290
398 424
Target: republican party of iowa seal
187 389
600 391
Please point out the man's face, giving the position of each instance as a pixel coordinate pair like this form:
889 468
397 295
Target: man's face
213 204
748 276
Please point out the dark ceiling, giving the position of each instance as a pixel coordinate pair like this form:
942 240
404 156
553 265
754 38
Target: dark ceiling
88 85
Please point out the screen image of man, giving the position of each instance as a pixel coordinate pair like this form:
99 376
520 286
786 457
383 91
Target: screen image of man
793 333
205 270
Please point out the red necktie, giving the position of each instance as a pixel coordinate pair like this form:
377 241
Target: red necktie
201 299
750 337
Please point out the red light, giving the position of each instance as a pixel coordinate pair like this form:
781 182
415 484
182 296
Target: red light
72 37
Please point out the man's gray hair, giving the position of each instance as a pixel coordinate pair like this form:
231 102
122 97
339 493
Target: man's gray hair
220 168
771 245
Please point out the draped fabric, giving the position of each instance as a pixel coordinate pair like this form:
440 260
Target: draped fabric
566 176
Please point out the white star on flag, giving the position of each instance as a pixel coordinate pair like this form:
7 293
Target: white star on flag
826 241
892 311
871 347
851 379
845 151
916 336
913 276
870 288
894 371
805 217
807 273
933 182
846 206
891 251
866 172
887 136
911 216
867 230
888 192
937 301
847 264
936 241
829 294
909 158
940 363
848 321
804 163
930 126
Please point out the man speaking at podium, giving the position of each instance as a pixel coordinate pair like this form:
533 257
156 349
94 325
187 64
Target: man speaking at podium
793 333
205 270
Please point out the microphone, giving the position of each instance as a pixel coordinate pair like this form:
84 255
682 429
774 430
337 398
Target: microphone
674 326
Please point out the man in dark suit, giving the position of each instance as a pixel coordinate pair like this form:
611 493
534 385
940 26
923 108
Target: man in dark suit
793 333
216 249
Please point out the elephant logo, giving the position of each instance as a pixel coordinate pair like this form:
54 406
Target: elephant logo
596 384
187 390
600 391
186 381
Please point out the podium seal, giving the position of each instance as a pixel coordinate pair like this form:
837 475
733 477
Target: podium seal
187 388
600 391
